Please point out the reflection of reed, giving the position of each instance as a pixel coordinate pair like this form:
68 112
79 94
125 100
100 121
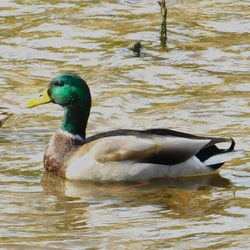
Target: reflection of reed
164 12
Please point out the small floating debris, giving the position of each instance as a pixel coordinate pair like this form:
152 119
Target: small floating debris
135 47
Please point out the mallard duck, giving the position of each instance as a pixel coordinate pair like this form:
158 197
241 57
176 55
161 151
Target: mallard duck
123 154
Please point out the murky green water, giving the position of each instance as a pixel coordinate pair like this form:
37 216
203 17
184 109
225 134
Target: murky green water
198 83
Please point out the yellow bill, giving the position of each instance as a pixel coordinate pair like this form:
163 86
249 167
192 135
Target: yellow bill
40 99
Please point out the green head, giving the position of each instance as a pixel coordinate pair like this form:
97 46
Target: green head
72 93
69 90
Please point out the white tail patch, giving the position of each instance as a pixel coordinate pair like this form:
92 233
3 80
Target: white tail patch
223 157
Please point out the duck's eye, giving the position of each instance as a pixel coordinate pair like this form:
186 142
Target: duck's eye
59 83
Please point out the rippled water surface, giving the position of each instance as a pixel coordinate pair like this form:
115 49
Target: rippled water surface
197 83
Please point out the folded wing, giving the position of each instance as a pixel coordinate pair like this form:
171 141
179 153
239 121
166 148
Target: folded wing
158 146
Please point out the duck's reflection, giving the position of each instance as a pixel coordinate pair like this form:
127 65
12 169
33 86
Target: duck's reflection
58 186
166 198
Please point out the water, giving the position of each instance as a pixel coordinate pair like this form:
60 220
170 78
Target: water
198 83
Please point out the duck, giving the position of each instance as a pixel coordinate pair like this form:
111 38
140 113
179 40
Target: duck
122 154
